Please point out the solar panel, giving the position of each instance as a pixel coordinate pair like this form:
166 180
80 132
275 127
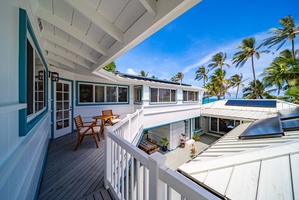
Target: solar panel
269 127
289 113
290 125
251 103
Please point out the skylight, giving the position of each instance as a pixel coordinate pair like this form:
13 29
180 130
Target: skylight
269 127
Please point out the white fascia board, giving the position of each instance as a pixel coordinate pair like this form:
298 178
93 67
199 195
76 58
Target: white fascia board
71 30
145 27
97 18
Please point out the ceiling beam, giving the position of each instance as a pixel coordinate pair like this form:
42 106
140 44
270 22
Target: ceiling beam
97 18
66 55
71 30
150 6
62 61
69 46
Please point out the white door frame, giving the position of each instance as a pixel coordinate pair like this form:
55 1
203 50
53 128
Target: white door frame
57 133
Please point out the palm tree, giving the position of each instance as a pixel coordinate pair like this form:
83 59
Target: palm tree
276 75
174 79
218 60
180 76
143 73
219 82
248 50
293 94
281 35
211 90
252 90
201 73
177 77
111 67
237 82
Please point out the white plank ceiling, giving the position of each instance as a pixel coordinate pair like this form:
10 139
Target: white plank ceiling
84 36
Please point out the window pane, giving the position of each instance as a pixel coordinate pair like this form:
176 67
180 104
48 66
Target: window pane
197 123
85 93
111 94
99 96
66 123
30 79
190 96
196 96
137 94
66 87
58 96
214 124
66 114
185 96
58 86
154 95
66 96
173 95
122 94
164 95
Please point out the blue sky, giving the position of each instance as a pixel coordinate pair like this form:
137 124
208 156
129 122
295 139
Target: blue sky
208 28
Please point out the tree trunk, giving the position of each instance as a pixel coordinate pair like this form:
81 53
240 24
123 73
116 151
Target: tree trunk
293 50
252 64
237 91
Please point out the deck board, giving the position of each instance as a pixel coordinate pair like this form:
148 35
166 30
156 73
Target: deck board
72 174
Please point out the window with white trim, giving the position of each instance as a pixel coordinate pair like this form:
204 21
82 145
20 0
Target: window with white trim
99 93
36 82
162 95
190 96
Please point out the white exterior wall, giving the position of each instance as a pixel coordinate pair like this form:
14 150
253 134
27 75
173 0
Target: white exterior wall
21 158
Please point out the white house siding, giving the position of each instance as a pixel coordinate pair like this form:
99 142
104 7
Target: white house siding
21 158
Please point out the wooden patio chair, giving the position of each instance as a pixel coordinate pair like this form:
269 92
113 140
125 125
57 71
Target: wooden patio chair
110 121
83 130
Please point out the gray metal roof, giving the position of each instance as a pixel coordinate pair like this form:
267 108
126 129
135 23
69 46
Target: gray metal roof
219 109
266 168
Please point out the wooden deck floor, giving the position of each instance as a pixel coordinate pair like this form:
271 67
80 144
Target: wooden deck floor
72 174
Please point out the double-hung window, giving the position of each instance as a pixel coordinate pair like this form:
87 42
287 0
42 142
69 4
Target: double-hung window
162 95
190 96
92 93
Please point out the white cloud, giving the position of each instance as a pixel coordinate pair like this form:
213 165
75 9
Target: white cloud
131 71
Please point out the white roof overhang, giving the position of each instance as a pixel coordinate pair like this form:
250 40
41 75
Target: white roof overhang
87 35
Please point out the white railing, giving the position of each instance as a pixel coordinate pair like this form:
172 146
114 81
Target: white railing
130 128
132 174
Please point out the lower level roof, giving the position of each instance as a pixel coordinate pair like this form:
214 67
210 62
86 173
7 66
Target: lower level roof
265 168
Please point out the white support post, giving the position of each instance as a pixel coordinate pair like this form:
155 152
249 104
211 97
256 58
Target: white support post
129 129
156 186
108 161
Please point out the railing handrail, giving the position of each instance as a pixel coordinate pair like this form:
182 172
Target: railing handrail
124 152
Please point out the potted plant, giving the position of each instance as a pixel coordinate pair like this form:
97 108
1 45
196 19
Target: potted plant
164 141
182 140
196 137
192 152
